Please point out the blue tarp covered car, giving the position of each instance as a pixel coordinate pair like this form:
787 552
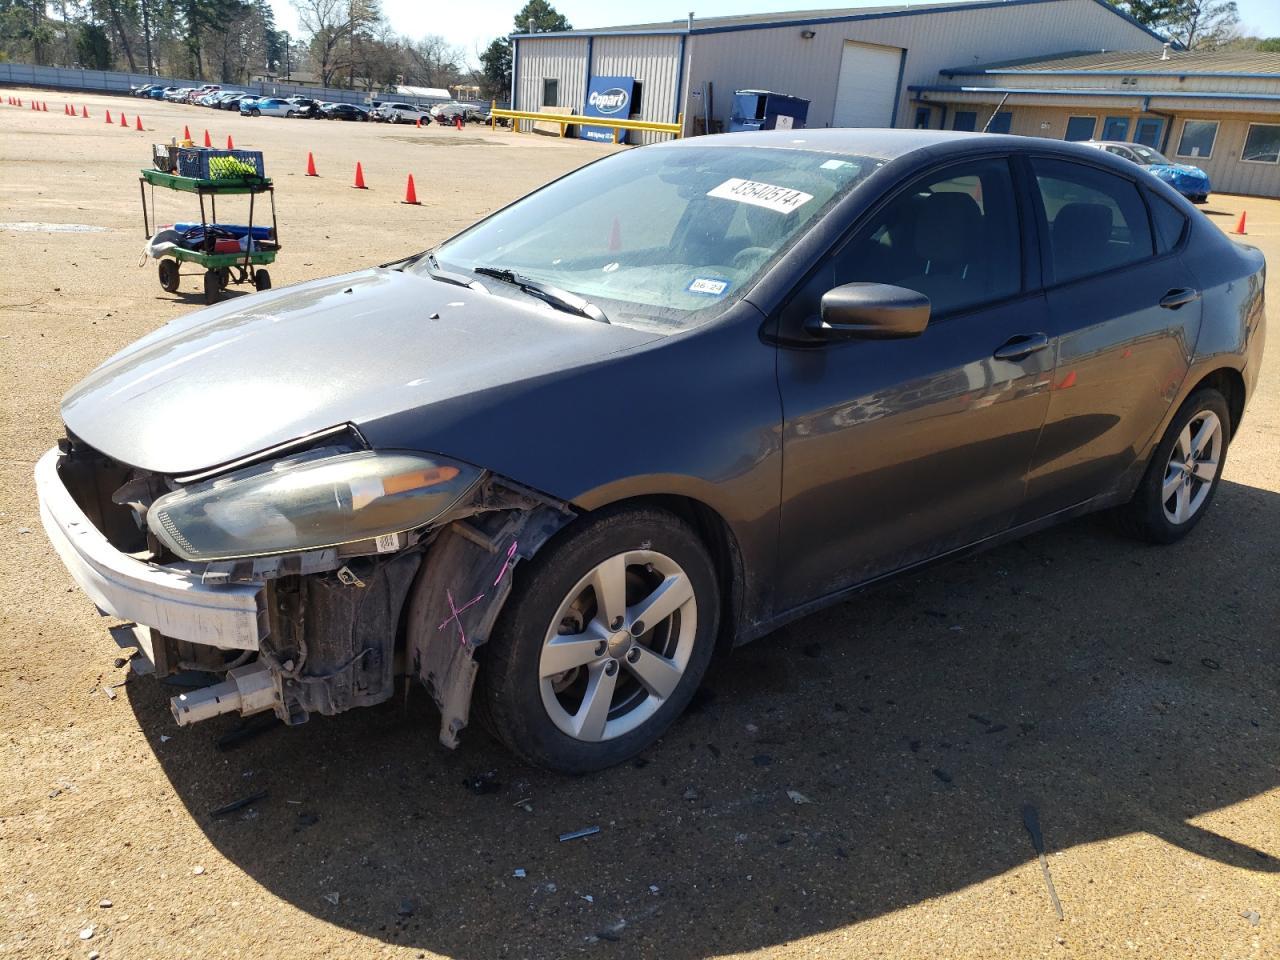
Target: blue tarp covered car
1191 182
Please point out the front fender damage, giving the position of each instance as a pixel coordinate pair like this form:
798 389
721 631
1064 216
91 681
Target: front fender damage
464 583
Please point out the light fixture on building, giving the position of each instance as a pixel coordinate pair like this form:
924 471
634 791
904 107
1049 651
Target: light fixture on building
807 34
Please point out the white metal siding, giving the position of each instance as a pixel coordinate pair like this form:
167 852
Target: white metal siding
868 85
781 59
554 58
655 62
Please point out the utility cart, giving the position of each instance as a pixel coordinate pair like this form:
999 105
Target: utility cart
227 253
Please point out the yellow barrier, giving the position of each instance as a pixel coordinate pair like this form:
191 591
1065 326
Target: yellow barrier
567 119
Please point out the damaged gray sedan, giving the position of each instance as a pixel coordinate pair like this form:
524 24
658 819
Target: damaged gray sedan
661 406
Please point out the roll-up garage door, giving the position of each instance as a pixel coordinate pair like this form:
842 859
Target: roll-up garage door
868 85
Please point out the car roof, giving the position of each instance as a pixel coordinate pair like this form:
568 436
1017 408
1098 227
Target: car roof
883 142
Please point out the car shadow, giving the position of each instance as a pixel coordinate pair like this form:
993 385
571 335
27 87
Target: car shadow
1116 687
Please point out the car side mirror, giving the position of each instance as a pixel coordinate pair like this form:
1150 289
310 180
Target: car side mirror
870 311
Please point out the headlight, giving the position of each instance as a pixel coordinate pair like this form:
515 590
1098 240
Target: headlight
308 503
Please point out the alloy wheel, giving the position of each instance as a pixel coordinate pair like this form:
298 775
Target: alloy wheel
1193 465
618 645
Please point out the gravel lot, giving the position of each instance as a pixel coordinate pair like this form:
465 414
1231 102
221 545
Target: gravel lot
1128 692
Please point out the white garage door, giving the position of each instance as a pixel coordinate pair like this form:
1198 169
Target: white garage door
868 85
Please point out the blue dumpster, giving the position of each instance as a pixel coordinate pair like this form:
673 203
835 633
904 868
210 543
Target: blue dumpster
765 110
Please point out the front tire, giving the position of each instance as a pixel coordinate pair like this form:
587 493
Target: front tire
606 636
1184 471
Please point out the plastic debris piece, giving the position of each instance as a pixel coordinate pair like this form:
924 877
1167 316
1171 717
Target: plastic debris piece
579 834
798 797
198 870
235 805
1252 916
407 907
518 872
105 904
587 897
332 897
88 932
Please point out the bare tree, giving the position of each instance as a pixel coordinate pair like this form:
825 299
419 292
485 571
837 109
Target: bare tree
331 26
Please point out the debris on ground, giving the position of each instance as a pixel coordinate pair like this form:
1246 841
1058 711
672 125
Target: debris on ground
1252 916
1211 663
332 897
240 804
519 872
88 932
587 897
198 870
105 904
798 797
525 804
483 783
690 794
1031 820
111 694
653 888
406 908
247 730
579 834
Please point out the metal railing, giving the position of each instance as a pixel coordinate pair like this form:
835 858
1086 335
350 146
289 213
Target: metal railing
566 120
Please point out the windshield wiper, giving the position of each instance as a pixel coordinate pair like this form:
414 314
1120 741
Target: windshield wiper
560 299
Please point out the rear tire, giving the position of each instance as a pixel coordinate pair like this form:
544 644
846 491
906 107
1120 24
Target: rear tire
212 286
261 280
169 275
1183 474
640 675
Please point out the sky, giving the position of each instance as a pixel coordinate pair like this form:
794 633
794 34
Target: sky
473 24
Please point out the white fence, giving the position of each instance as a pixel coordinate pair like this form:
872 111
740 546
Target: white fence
110 81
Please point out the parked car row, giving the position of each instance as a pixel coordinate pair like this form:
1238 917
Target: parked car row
248 104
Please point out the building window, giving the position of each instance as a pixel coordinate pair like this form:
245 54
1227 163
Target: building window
1148 131
1081 128
965 120
1000 122
550 92
1197 138
924 118
1262 143
637 98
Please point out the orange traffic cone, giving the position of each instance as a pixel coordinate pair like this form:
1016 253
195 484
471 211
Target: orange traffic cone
123 120
410 195
64 109
418 123
108 120
311 165
138 117
45 106
457 121
230 145
1240 225
85 114
359 184
186 132
207 141
19 101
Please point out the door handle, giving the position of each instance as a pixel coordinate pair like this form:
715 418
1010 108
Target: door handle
1021 346
1178 297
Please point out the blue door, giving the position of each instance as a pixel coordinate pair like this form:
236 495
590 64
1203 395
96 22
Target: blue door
1000 122
1148 132
1081 128
1115 128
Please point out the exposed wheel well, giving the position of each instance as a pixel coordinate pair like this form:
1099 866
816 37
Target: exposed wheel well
1230 384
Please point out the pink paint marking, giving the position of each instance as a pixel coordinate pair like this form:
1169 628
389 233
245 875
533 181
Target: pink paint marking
506 564
456 614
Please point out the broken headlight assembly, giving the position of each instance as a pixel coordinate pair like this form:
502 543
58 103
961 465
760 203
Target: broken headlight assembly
320 500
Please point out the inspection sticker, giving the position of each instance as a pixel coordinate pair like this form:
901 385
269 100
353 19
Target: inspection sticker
779 199
710 286
387 542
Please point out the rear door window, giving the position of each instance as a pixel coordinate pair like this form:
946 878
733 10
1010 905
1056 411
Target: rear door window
1097 220
1170 223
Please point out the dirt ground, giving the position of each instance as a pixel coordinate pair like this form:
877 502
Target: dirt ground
1130 693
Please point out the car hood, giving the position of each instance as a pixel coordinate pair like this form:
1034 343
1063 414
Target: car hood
253 372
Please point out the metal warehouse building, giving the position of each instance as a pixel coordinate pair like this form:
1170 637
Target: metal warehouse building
857 67
1217 110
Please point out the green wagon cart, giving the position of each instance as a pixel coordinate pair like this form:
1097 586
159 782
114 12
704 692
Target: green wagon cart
219 269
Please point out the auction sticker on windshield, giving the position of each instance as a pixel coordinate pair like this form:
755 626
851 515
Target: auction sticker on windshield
780 199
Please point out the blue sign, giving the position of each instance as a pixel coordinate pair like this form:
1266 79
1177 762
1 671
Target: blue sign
607 97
